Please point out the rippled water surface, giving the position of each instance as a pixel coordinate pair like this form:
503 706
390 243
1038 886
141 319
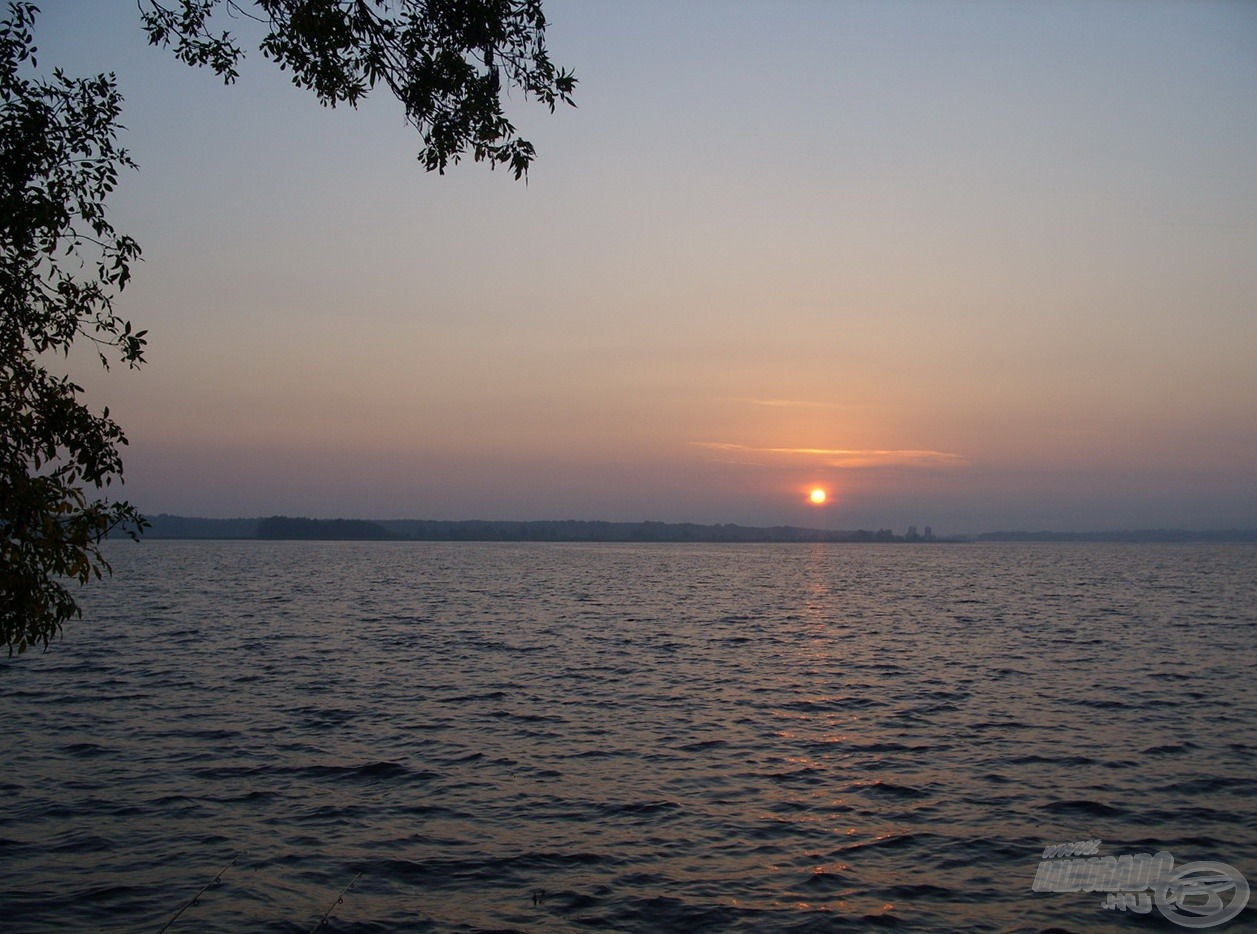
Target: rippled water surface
549 737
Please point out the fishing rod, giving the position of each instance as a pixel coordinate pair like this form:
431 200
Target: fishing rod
197 897
340 900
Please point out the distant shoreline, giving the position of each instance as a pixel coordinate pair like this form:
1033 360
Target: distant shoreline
285 528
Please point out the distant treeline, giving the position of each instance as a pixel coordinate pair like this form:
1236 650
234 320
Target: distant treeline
167 526
568 530
357 530
573 530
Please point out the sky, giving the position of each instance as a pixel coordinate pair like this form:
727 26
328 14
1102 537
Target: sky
976 265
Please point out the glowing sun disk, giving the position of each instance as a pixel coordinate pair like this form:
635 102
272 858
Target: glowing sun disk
817 496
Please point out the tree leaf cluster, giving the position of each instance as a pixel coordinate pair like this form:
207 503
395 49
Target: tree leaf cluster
448 62
61 267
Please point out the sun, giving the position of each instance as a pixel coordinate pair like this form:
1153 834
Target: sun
817 496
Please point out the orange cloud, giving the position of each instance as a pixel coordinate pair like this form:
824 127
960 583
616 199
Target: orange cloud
842 457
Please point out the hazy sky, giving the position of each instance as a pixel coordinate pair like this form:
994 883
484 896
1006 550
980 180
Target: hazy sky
977 265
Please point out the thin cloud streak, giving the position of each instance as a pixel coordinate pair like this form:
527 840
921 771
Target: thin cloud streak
795 404
845 457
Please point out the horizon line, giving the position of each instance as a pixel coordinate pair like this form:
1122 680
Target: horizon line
1246 531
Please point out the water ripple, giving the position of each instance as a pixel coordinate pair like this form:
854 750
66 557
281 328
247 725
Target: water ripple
464 737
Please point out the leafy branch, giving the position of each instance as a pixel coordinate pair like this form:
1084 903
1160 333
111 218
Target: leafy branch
444 60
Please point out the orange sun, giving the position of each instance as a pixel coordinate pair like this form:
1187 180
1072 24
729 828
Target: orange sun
817 496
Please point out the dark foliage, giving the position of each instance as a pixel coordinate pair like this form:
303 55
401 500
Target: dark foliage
448 62
62 264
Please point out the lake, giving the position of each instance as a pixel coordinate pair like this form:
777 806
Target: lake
409 736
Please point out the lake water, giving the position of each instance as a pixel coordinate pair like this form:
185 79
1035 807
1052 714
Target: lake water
541 737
